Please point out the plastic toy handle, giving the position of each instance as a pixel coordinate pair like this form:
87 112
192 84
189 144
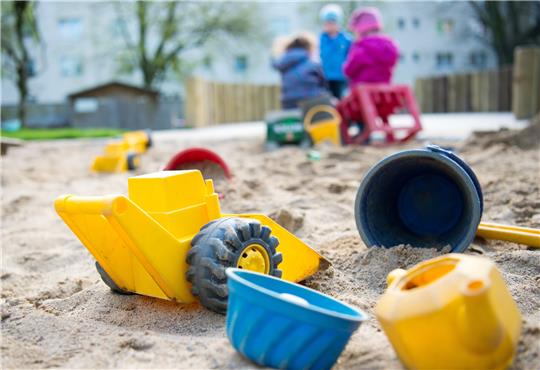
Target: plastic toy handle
515 234
86 204
320 109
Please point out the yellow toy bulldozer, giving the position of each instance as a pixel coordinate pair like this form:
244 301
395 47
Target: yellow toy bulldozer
169 239
123 155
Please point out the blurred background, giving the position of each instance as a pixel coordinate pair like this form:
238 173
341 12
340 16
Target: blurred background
163 65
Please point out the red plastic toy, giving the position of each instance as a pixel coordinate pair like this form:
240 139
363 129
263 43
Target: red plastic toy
370 106
192 155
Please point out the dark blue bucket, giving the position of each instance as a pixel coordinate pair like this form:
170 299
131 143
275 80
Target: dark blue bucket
426 198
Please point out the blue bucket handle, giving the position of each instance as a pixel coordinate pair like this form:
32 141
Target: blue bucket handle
466 168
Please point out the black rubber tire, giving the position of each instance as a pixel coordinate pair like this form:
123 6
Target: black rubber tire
109 282
149 142
131 164
218 246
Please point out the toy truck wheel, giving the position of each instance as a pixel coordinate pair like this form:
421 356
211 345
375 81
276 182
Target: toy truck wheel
109 282
149 142
132 161
229 242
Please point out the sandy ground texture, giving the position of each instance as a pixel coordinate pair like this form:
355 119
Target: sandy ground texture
57 313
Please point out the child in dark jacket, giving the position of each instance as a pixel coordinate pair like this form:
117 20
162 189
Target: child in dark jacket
372 56
301 77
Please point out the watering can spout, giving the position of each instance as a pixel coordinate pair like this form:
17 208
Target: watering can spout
394 276
481 329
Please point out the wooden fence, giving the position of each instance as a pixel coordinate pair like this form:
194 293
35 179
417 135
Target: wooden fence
526 82
514 88
487 91
210 103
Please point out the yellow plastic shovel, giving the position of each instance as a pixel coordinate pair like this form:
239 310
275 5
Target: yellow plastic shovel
515 234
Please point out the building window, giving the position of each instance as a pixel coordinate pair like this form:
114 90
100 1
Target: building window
31 69
416 23
70 29
445 26
416 57
241 63
445 60
401 23
280 26
71 67
478 59
118 27
86 105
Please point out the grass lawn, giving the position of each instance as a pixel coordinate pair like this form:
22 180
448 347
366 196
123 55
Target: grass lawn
60 133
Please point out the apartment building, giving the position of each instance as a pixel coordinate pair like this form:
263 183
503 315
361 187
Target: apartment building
82 44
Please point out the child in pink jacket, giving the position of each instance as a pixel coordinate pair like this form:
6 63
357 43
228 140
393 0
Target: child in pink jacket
373 56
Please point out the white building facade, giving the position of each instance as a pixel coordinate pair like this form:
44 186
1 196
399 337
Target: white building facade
81 43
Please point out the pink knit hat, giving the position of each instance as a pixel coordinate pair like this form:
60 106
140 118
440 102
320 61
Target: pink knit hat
364 20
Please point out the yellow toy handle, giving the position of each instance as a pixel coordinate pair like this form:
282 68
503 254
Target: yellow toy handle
321 108
515 234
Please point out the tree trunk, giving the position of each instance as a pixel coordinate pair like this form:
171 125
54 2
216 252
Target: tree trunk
22 67
22 79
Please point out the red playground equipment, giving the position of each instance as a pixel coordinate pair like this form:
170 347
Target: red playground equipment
368 108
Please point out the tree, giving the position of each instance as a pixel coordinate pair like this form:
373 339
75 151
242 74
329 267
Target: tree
18 23
508 24
166 30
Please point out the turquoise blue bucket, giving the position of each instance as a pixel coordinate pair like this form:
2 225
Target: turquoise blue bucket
422 197
284 325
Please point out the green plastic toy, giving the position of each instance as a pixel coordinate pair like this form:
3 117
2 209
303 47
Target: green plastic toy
285 127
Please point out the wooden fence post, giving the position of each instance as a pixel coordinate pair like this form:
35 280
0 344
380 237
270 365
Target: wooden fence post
526 82
189 103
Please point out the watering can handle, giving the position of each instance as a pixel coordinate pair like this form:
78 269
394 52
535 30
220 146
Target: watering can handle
322 108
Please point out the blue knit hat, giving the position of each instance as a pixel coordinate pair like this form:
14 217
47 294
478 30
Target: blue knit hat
331 13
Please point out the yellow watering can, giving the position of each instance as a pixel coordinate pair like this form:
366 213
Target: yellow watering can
450 312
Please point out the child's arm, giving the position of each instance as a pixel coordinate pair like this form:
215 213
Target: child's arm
355 61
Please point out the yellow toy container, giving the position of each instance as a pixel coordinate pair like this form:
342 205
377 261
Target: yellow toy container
123 155
169 239
326 129
450 312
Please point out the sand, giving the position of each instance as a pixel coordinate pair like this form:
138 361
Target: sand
57 313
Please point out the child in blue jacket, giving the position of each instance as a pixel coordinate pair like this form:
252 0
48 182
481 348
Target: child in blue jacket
301 77
334 46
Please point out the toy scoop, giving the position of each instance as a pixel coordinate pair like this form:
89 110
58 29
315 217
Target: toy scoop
515 234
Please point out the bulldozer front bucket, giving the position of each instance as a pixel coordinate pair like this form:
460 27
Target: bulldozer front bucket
299 260
136 251
137 140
